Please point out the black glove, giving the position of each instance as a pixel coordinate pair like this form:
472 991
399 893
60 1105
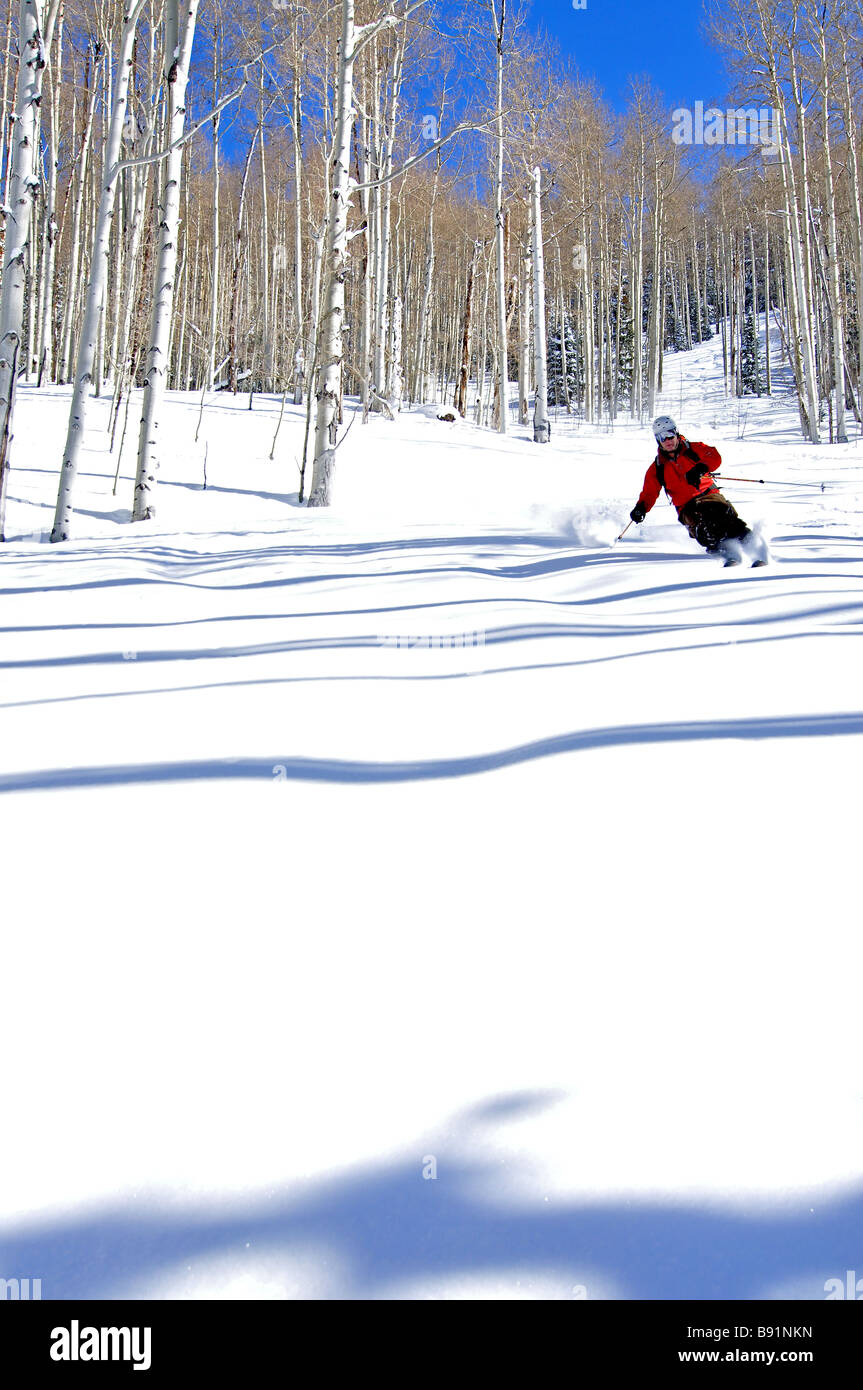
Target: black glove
695 474
638 513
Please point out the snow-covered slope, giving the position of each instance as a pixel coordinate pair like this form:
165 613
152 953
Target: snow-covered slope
431 897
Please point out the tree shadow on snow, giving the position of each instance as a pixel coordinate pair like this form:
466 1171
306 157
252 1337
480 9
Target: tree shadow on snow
335 770
379 1231
844 615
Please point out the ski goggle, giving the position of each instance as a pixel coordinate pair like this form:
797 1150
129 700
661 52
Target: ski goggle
669 434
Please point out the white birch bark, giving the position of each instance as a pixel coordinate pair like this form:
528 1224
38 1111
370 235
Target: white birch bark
835 292
382 322
367 201
297 134
177 58
656 316
21 192
484 378
424 323
460 400
500 254
397 377
96 287
637 402
140 183
331 348
524 339
540 413
235 272
319 240
49 223
7 60
215 262
331 327
800 209
588 352
849 117
768 382
68 328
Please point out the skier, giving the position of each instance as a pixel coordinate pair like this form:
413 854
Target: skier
686 471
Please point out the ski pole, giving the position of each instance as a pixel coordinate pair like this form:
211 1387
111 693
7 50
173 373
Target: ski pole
624 531
776 482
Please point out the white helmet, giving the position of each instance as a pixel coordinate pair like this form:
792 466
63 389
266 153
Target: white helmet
664 427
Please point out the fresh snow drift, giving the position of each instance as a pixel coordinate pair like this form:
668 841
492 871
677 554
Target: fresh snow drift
431 897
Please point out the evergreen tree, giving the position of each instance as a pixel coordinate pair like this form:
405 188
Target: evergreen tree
700 311
751 383
675 333
626 348
565 386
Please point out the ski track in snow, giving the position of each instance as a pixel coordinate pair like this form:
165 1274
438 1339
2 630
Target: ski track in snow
438 833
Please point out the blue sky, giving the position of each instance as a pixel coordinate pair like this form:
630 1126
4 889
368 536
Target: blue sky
612 39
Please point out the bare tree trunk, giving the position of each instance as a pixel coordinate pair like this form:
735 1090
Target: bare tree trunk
179 36
140 184
382 321
834 289
460 400
72 282
768 382
396 390
637 394
501 352
320 240
7 62
96 288
424 324
297 133
329 337
49 225
22 187
852 144
215 264
657 302
540 412
235 272
798 242
524 339
332 319
267 364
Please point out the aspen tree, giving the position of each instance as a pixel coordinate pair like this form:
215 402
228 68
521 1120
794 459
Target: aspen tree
540 412
68 329
353 40
215 260
33 44
834 292
179 36
97 283
45 347
501 351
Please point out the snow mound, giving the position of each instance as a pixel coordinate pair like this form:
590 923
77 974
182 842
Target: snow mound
445 414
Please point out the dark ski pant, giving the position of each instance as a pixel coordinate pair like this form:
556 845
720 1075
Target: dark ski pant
710 519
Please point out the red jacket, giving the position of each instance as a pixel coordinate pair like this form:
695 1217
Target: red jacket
675 468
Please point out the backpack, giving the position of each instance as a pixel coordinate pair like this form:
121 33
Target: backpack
687 451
